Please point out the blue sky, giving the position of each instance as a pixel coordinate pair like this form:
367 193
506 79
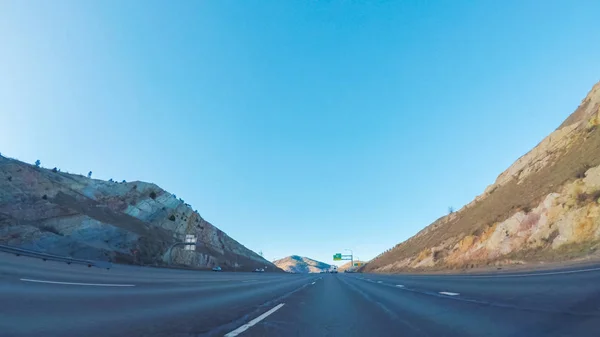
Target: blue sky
297 127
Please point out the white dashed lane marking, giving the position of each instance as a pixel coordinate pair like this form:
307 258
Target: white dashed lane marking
449 293
253 322
399 286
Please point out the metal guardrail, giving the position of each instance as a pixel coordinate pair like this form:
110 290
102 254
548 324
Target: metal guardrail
45 256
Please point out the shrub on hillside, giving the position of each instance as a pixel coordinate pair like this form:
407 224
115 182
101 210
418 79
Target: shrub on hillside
477 232
153 195
580 174
583 198
596 196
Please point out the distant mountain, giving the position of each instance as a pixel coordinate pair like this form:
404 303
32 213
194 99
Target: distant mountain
299 264
124 222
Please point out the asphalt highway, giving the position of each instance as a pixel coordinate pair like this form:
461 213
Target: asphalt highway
40 298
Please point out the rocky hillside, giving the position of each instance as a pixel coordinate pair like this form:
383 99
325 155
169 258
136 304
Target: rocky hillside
299 264
545 207
128 222
348 265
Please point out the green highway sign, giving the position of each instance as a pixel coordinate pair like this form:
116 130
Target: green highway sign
337 257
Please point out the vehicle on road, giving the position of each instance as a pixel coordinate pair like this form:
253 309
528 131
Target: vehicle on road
258 270
217 268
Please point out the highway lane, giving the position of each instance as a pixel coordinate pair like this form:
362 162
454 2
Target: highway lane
130 301
549 303
141 301
410 305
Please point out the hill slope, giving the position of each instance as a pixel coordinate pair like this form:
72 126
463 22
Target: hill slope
348 265
133 222
299 264
545 207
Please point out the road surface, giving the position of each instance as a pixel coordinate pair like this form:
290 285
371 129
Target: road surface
54 299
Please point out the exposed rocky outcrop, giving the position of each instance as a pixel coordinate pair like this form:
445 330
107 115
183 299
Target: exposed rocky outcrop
134 222
299 264
545 207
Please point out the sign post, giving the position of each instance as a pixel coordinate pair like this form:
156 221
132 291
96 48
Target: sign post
340 257
351 257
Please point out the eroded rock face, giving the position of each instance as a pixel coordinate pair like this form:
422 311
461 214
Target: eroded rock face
547 203
133 222
569 217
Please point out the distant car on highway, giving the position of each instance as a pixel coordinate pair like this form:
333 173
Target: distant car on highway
217 268
259 270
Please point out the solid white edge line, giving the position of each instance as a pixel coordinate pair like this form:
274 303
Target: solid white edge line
536 274
449 293
399 286
379 281
253 322
79 284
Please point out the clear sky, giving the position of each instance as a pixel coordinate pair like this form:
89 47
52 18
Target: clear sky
297 127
